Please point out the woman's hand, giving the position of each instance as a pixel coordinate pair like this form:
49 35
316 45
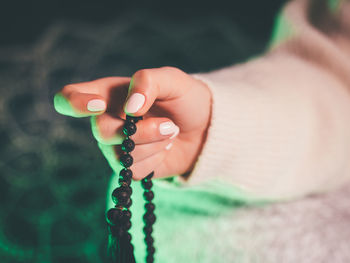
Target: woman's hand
176 111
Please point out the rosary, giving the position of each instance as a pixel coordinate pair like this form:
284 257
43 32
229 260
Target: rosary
118 218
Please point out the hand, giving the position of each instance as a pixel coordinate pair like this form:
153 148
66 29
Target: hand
176 111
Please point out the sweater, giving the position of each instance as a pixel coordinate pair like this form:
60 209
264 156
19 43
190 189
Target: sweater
279 131
280 125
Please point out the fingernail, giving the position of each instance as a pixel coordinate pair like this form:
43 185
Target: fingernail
168 127
175 133
135 103
96 105
168 146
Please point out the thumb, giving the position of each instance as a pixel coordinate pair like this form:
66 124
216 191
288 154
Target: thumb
148 85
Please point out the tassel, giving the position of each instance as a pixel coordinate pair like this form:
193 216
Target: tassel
126 250
120 248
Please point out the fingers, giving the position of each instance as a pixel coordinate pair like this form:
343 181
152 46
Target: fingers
159 163
155 129
147 85
143 168
88 98
108 130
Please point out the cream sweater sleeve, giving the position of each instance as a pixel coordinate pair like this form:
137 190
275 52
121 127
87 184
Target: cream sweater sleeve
280 126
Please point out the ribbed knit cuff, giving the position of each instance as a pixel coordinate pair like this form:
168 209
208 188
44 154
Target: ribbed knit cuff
228 155
218 153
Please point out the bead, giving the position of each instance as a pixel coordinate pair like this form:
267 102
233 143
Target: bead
123 180
149 259
129 128
149 218
130 118
128 145
126 160
149 240
125 176
133 118
149 177
128 203
120 196
125 173
150 207
149 195
147 184
151 249
147 230
126 188
122 188
114 216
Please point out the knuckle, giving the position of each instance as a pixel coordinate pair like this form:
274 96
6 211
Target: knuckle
137 175
149 133
152 129
67 89
171 69
144 75
105 132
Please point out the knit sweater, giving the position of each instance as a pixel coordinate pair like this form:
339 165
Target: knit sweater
280 125
279 130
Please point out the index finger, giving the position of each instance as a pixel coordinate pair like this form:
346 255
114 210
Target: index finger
87 98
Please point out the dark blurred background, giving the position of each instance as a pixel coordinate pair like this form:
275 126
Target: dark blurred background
53 179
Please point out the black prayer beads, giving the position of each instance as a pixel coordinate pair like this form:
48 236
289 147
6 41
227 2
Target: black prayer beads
149 217
119 217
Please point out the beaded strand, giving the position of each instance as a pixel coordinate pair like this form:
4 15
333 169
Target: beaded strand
149 217
119 217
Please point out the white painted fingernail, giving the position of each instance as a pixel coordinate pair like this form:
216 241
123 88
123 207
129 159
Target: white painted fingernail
168 146
166 128
175 133
96 105
135 103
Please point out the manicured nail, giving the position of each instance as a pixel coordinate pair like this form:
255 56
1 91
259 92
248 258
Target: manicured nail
168 127
96 105
175 133
168 146
135 103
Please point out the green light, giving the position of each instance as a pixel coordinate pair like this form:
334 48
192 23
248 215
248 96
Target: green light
63 106
282 31
334 5
109 154
116 139
182 215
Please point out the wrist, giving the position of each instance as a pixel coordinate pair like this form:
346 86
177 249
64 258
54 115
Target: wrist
200 138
